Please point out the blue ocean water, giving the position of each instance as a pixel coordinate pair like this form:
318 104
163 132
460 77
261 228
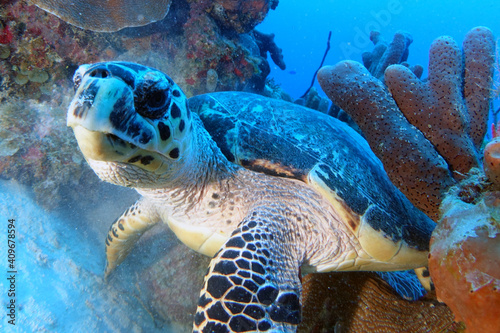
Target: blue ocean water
301 29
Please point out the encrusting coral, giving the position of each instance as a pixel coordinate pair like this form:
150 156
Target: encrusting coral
40 48
43 50
421 131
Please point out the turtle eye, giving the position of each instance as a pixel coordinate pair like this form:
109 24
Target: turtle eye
156 99
153 104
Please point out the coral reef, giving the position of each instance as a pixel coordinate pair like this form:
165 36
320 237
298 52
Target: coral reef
106 16
362 302
189 39
236 58
383 54
36 147
420 130
428 134
43 51
240 16
207 48
465 254
38 55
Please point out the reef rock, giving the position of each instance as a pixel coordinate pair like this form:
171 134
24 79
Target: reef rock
465 256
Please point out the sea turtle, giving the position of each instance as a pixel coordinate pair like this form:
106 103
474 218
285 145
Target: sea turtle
286 190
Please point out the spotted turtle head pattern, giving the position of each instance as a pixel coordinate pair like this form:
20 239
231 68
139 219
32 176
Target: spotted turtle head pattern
124 113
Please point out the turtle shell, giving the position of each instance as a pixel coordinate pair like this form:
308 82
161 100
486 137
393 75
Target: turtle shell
287 140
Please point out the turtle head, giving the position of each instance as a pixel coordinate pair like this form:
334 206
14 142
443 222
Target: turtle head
131 122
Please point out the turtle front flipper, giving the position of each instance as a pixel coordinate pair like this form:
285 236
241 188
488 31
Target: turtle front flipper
124 233
253 282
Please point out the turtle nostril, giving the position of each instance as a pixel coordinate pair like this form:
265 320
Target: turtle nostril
100 73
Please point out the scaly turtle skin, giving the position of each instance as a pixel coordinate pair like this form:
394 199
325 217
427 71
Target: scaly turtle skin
321 203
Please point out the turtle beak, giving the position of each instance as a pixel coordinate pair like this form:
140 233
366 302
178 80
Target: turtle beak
90 116
96 99
103 147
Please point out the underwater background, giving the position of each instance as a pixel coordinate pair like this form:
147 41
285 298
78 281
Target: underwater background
301 29
62 211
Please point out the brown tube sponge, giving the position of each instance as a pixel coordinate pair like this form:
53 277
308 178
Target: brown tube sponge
452 119
479 58
427 133
409 159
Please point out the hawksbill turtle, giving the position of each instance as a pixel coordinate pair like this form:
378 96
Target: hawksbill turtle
284 190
